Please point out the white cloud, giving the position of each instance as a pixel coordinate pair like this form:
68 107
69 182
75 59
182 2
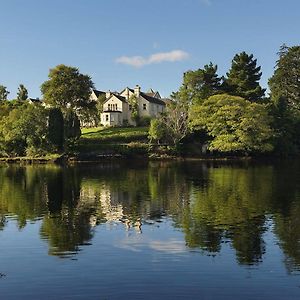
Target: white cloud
135 61
140 61
170 246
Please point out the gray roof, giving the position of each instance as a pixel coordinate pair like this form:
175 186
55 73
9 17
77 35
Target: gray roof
98 93
152 99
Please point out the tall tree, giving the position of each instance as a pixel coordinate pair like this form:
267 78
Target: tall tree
22 94
3 93
72 127
67 88
243 78
286 79
198 85
56 128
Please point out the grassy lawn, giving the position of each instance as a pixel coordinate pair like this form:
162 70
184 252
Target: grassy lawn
114 135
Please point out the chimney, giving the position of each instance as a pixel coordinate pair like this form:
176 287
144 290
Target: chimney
108 94
127 94
137 91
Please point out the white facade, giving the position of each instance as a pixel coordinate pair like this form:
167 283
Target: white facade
117 110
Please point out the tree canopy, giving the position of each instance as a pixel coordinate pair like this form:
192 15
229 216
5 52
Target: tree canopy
286 79
243 78
24 130
234 124
22 94
3 93
67 88
199 84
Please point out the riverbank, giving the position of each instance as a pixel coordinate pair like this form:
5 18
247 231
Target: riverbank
100 144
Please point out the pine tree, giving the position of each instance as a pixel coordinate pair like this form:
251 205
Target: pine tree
22 94
286 79
243 78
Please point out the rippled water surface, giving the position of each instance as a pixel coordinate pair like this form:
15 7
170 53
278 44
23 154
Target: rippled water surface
157 230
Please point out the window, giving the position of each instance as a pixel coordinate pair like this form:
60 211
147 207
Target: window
116 106
106 117
130 107
108 106
144 106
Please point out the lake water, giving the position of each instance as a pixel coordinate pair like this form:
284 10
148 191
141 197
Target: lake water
157 230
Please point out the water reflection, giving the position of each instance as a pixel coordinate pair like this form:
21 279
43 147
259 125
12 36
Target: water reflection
212 204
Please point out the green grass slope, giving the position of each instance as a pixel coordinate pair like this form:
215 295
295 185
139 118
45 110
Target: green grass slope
113 140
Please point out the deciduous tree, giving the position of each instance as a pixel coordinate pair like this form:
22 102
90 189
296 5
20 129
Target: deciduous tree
234 124
67 88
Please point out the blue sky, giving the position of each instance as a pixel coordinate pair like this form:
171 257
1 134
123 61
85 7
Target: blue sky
147 42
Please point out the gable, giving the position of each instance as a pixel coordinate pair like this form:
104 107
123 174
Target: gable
125 91
152 99
114 98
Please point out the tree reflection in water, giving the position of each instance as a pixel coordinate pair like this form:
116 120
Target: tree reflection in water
210 203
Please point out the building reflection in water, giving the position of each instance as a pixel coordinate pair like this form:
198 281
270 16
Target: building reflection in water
211 204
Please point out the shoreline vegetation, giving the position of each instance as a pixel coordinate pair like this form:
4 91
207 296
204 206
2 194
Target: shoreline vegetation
114 143
210 117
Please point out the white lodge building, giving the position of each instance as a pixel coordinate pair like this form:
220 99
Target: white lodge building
117 110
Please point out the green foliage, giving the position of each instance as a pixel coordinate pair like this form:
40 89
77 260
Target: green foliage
5 108
199 84
157 130
285 96
285 81
134 109
286 124
56 128
67 88
22 94
243 78
24 128
3 93
234 124
172 126
100 102
144 121
72 128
